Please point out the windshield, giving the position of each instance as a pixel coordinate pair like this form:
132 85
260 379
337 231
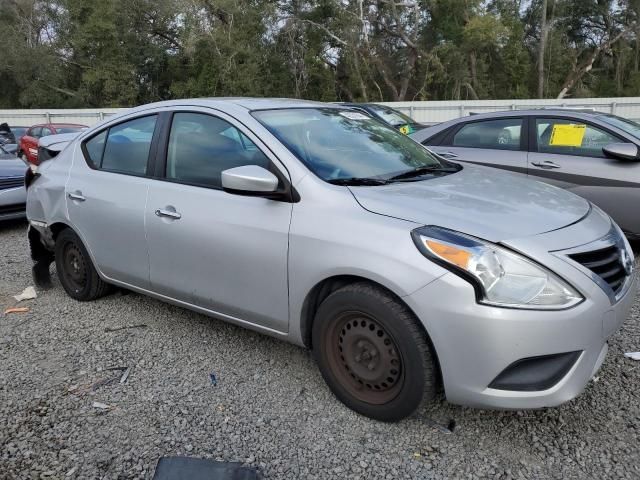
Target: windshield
391 116
341 144
629 126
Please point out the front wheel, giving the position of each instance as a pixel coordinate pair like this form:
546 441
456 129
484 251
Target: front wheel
372 352
76 272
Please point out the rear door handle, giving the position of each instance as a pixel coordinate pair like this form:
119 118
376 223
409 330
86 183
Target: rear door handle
546 164
77 196
168 213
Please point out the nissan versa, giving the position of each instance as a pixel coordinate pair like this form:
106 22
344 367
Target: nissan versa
322 226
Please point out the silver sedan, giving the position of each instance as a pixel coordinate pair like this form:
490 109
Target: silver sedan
321 226
593 154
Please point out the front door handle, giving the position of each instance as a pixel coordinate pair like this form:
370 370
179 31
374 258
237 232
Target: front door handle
161 212
546 164
77 196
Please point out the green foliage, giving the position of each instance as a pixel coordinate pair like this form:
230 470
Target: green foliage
76 53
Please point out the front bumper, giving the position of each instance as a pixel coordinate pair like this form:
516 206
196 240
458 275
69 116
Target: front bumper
477 343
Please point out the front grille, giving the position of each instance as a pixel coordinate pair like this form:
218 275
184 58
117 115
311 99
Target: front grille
606 263
11 182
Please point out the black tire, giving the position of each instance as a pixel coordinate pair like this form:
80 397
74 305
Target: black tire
75 270
373 353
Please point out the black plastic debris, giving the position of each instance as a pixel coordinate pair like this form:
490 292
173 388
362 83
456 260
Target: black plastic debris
214 380
184 468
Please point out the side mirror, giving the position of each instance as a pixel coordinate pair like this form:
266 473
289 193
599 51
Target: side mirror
249 180
621 151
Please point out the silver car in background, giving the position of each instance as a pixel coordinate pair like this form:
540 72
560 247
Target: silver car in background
13 196
593 154
321 226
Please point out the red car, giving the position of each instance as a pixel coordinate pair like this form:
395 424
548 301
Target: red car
28 148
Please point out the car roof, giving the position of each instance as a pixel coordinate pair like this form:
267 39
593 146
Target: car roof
244 102
56 125
572 112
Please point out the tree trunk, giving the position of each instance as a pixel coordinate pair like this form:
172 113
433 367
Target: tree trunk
544 29
473 68
586 66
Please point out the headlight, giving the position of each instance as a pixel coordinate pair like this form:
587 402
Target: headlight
501 277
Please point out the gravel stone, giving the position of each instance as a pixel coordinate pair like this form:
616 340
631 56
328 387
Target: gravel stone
270 408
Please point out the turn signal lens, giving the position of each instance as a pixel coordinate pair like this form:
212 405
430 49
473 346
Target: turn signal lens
451 254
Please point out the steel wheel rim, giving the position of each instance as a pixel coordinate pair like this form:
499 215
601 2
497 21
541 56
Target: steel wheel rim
365 358
75 268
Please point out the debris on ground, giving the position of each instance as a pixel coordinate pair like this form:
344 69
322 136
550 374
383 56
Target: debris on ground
125 375
16 310
101 406
214 380
125 327
28 293
448 428
178 468
633 355
80 390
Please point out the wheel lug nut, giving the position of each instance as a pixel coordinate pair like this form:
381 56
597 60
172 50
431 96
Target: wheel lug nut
371 365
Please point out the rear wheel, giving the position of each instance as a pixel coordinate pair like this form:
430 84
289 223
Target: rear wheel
372 352
76 272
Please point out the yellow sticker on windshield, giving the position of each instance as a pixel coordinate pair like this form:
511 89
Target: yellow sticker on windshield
405 129
570 135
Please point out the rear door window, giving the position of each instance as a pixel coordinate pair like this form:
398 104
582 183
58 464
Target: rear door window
571 137
499 134
95 148
123 148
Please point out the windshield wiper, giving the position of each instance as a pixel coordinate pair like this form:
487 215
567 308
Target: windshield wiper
419 171
358 181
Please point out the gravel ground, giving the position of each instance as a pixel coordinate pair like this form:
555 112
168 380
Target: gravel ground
270 408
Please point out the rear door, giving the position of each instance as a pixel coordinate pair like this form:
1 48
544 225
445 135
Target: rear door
567 152
106 196
494 142
223 252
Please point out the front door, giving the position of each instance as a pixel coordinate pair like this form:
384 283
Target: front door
223 252
568 153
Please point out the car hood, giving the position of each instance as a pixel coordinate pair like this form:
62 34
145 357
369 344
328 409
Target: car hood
12 167
479 201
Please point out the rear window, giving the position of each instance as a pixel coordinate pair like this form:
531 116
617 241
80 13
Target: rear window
123 148
503 134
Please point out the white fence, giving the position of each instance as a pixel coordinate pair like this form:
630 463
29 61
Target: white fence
436 112
425 112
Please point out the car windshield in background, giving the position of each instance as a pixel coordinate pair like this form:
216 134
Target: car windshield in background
338 144
70 129
19 131
391 116
629 126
